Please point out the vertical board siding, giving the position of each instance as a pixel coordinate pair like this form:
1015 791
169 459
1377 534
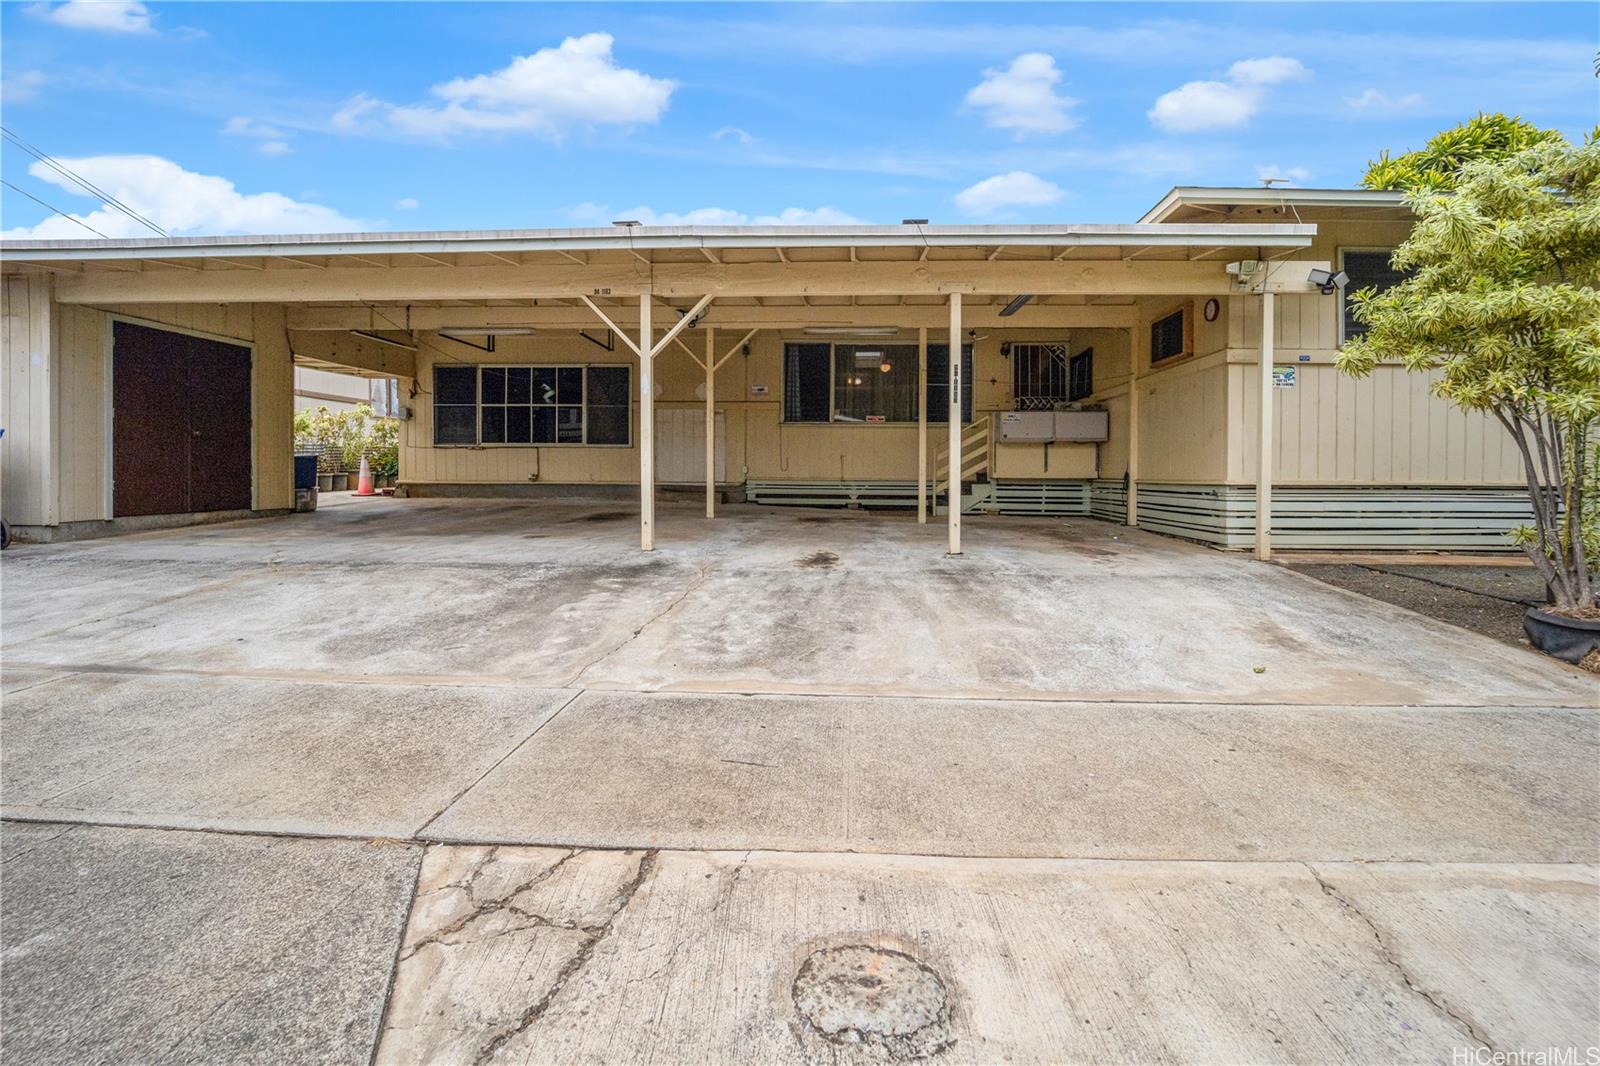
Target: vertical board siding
28 477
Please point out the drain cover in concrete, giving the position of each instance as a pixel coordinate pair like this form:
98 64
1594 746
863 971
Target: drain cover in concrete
857 994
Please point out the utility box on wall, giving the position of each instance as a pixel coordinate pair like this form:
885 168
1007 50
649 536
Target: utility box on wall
1024 426
1082 425
1042 427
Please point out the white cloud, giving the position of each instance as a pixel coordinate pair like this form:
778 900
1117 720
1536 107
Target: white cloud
742 136
178 200
21 87
1268 71
1374 100
274 148
577 83
1015 189
1023 97
241 126
106 16
1204 105
407 204
1291 175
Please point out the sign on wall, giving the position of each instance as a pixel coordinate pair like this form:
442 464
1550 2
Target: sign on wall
1283 377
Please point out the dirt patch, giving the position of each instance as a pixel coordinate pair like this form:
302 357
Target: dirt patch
884 999
1490 600
818 561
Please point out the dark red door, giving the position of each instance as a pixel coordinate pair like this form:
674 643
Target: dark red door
180 423
219 426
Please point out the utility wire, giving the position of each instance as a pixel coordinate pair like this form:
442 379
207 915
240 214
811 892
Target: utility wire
82 182
57 210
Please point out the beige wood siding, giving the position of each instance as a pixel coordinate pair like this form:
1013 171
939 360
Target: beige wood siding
29 451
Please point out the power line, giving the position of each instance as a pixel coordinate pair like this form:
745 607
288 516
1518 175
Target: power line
57 210
82 182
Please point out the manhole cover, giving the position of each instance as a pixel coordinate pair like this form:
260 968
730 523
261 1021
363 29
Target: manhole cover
857 994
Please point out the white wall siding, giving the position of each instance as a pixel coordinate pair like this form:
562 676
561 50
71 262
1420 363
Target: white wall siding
28 453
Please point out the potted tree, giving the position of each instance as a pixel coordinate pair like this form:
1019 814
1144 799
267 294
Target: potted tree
1500 303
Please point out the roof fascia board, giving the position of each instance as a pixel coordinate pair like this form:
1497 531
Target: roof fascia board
1204 196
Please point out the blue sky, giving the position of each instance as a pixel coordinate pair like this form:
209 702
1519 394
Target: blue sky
289 117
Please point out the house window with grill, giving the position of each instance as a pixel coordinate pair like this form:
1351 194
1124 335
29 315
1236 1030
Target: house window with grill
1368 269
1039 376
1169 336
531 405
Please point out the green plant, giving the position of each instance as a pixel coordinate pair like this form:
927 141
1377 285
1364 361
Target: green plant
384 447
1439 163
354 434
1502 304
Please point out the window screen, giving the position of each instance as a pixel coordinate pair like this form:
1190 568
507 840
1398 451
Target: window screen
608 405
806 375
939 383
1080 371
1038 375
863 391
1367 270
455 404
1166 337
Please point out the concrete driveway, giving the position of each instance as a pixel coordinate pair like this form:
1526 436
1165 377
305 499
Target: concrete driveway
476 780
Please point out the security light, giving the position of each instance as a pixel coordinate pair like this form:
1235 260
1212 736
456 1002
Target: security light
626 222
913 222
1328 281
1015 305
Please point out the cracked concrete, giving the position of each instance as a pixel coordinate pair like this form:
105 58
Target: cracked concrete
1076 799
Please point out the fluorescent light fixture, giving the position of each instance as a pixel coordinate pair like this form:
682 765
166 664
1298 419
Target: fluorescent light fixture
868 358
1015 305
384 340
485 331
851 331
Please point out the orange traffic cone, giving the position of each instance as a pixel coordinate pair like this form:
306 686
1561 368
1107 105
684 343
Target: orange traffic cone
364 479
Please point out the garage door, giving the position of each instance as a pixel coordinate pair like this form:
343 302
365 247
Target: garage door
180 417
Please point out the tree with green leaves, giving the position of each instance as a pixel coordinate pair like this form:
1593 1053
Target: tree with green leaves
1438 164
1501 303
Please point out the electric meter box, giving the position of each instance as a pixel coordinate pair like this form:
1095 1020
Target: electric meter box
1082 426
1037 426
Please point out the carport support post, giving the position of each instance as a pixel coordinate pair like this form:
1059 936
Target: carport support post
954 485
1264 445
647 430
711 421
922 425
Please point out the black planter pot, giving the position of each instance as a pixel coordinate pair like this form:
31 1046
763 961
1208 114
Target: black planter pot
1568 639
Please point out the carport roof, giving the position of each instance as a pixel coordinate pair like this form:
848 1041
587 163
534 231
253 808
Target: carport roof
665 243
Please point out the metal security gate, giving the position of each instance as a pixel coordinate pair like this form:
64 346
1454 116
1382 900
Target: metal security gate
180 417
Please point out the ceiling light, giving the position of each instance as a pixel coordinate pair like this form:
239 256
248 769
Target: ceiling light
485 331
1015 305
851 331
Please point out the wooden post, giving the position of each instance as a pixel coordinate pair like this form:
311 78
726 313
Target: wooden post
954 486
922 425
1136 342
711 421
647 429
1264 445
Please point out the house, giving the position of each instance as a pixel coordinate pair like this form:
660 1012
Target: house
1117 371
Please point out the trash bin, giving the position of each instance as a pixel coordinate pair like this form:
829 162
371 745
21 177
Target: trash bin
305 470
